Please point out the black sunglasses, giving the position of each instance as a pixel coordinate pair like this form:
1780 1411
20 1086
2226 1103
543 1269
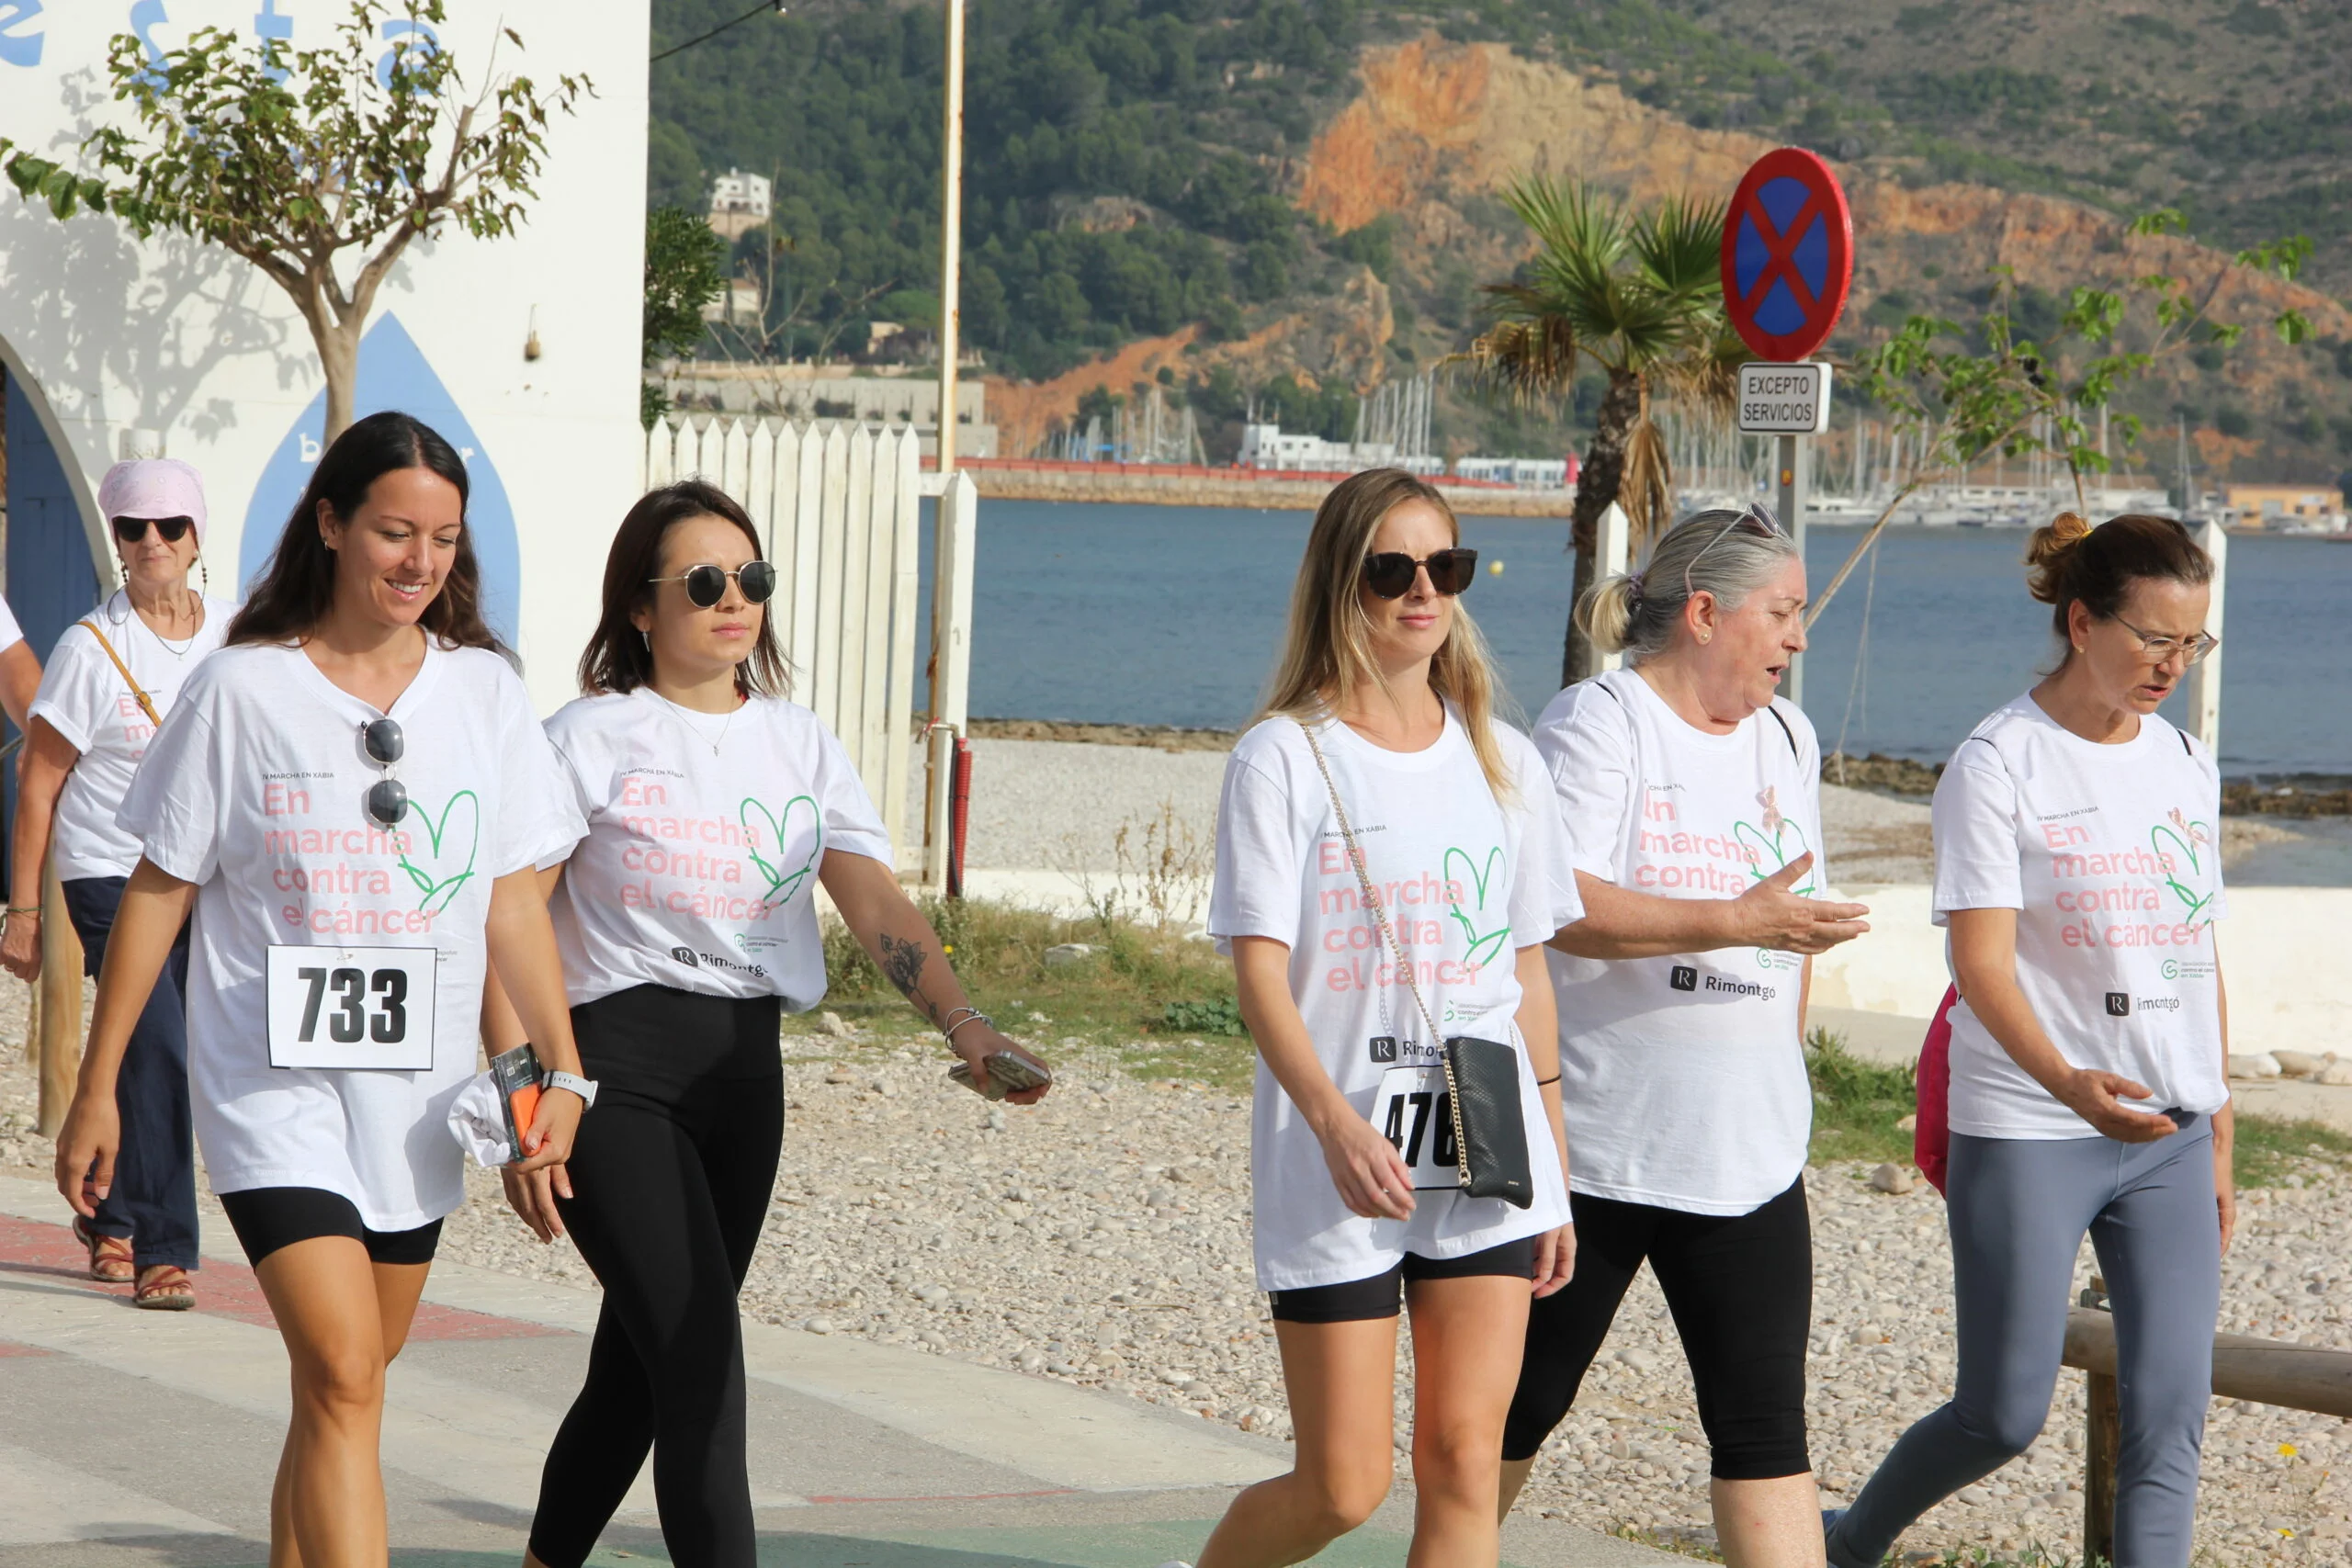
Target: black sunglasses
707 586
386 797
1391 573
131 530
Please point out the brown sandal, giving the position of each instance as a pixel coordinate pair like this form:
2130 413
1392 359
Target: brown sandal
109 1255
164 1287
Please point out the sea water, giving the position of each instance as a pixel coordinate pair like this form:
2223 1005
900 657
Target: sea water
1174 615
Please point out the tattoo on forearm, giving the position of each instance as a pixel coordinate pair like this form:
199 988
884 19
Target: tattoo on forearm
902 962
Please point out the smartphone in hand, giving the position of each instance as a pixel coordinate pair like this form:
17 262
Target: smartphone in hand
1010 1071
519 1078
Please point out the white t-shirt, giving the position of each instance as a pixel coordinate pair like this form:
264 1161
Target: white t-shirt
2111 856
11 634
705 834
255 789
84 698
1466 884
1682 1078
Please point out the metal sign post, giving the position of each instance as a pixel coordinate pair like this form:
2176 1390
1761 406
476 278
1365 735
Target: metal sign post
1791 402
1787 262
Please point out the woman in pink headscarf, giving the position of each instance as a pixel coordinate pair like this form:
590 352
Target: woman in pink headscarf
109 682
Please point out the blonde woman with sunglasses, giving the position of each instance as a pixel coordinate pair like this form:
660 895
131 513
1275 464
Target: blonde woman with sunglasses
1380 732
1692 793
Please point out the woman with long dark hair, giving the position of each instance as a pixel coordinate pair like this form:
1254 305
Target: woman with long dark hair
352 796
1388 856
2078 874
688 920
110 678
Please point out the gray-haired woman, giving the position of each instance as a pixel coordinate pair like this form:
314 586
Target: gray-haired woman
1691 798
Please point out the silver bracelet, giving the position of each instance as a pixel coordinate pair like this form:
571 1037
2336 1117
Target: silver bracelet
976 1016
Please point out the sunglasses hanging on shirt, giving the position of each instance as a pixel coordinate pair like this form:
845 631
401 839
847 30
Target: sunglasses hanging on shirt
707 586
131 530
1391 573
386 797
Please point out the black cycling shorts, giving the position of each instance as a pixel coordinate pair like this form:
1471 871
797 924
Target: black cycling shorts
267 1218
1740 1288
1356 1300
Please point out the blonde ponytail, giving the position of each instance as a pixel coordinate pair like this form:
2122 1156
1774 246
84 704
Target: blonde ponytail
1606 611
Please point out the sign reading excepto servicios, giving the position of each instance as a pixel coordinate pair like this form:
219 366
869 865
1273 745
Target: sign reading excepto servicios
1783 399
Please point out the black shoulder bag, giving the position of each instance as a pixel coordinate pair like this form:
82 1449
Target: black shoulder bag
1481 1076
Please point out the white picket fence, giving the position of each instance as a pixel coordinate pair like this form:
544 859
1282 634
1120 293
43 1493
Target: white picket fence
838 506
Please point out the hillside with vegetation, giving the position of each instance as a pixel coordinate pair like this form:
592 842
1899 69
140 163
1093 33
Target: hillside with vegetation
1292 201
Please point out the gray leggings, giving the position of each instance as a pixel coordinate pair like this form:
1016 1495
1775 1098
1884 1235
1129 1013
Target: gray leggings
2019 1208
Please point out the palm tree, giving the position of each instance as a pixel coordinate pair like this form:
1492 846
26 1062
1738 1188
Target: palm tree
1639 292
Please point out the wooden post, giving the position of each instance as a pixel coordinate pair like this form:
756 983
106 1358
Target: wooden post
2102 1438
2205 678
1614 550
951 232
60 1006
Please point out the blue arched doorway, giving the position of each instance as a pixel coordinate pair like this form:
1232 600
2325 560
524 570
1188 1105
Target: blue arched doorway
52 581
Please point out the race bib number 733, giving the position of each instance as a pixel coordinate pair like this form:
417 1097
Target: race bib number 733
352 1008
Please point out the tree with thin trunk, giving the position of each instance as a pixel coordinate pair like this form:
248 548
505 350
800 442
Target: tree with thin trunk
1640 294
290 161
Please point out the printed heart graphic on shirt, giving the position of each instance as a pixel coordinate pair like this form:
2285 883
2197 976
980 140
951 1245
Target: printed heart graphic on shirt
1768 852
447 851
1482 944
2185 840
754 816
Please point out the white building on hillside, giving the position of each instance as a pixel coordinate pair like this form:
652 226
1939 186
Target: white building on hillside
738 202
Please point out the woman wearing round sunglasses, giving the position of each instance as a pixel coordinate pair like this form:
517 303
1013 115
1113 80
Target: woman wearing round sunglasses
351 795
1691 794
687 921
2078 877
1380 730
110 678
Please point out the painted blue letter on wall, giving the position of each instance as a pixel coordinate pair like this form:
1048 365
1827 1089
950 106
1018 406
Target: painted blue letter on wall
393 374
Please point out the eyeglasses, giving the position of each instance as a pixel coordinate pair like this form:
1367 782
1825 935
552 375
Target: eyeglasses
1755 518
131 530
386 797
2163 650
707 586
1391 573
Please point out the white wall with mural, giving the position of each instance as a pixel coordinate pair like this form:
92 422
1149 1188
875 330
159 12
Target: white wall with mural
110 342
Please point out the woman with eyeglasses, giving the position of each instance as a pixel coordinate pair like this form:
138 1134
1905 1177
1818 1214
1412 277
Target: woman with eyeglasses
1388 868
352 796
1691 795
2078 875
688 920
110 679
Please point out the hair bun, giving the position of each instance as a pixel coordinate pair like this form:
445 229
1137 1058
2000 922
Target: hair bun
2046 553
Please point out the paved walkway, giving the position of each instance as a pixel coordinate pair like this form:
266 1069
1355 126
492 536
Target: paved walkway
136 1439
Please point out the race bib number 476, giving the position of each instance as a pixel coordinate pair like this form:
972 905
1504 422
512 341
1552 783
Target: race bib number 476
352 1008
1414 1111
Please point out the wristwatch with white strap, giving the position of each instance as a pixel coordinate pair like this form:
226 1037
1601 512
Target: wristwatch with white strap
584 1088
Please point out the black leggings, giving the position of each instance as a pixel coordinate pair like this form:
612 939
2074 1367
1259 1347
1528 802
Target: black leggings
1740 1288
670 1177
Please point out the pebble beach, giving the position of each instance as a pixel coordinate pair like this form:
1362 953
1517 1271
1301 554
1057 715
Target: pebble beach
1102 1238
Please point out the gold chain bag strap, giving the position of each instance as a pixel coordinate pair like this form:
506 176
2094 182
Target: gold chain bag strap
145 705
1481 1076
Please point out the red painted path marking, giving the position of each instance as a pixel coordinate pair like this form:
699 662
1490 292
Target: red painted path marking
223 1289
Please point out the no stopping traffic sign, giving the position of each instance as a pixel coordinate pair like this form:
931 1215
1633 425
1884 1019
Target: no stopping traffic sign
1787 258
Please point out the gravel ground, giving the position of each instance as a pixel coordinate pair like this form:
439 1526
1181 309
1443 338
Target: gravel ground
1102 1238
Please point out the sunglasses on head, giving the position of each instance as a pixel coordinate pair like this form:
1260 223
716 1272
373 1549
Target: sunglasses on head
1390 574
707 586
1755 518
386 797
131 530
